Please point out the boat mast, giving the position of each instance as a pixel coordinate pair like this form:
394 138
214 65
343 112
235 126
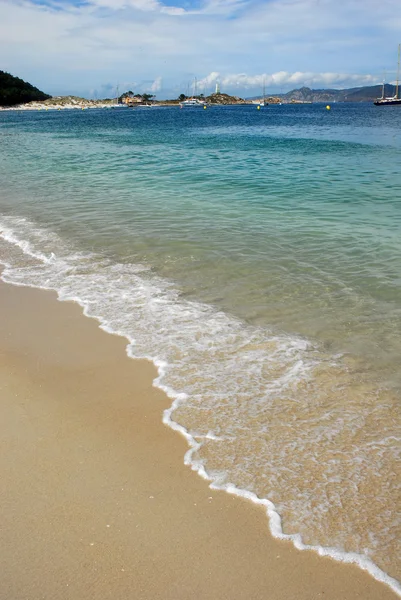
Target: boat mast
384 82
398 71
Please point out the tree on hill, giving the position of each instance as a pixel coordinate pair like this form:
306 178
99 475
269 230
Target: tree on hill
142 97
16 91
147 97
129 94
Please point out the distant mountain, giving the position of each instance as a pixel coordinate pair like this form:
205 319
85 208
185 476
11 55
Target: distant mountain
357 94
16 91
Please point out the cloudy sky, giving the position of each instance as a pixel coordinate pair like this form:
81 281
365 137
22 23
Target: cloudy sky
89 47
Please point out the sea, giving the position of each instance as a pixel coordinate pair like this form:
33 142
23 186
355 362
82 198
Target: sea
255 257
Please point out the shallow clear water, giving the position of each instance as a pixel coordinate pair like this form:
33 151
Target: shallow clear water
256 257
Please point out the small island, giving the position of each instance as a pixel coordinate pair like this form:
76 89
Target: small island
16 94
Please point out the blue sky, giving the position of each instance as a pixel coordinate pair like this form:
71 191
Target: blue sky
88 47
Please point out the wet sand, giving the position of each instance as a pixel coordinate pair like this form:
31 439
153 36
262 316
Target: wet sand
95 499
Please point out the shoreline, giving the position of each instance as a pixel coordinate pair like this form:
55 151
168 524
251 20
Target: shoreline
272 515
37 106
64 325
78 106
108 106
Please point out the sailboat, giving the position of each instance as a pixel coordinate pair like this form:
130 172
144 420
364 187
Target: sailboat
393 100
194 101
263 102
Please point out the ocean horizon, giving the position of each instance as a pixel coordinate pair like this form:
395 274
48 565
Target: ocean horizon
255 257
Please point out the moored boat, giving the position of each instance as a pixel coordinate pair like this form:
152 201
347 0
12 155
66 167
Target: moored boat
193 102
393 100
263 102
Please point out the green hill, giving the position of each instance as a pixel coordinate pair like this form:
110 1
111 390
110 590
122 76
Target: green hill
16 91
358 94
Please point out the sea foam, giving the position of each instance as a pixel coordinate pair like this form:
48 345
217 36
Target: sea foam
209 363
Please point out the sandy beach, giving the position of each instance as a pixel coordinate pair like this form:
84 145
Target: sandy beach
96 501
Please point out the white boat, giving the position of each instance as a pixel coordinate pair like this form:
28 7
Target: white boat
193 102
393 100
263 102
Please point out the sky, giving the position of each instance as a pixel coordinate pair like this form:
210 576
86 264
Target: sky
91 48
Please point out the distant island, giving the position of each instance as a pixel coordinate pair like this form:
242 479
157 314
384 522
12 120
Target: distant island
18 94
15 91
357 94
127 99
222 99
132 99
308 95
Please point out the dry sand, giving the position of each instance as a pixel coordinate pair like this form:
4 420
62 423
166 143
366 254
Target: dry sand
95 499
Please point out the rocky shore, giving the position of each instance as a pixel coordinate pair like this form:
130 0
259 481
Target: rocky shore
64 102
75 102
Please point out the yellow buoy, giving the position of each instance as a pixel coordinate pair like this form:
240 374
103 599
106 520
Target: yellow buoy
258 107
328 107
205 107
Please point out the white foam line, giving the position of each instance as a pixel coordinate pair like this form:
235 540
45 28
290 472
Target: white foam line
7 234
217 482
275 522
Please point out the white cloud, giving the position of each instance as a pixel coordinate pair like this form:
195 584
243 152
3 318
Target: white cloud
283 78
173 10
142 5
209 7
222 7
294 42
156 86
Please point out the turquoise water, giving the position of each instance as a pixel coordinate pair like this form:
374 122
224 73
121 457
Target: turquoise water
255 256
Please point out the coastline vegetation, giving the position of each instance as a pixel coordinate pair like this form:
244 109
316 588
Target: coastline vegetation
16 93
14 90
